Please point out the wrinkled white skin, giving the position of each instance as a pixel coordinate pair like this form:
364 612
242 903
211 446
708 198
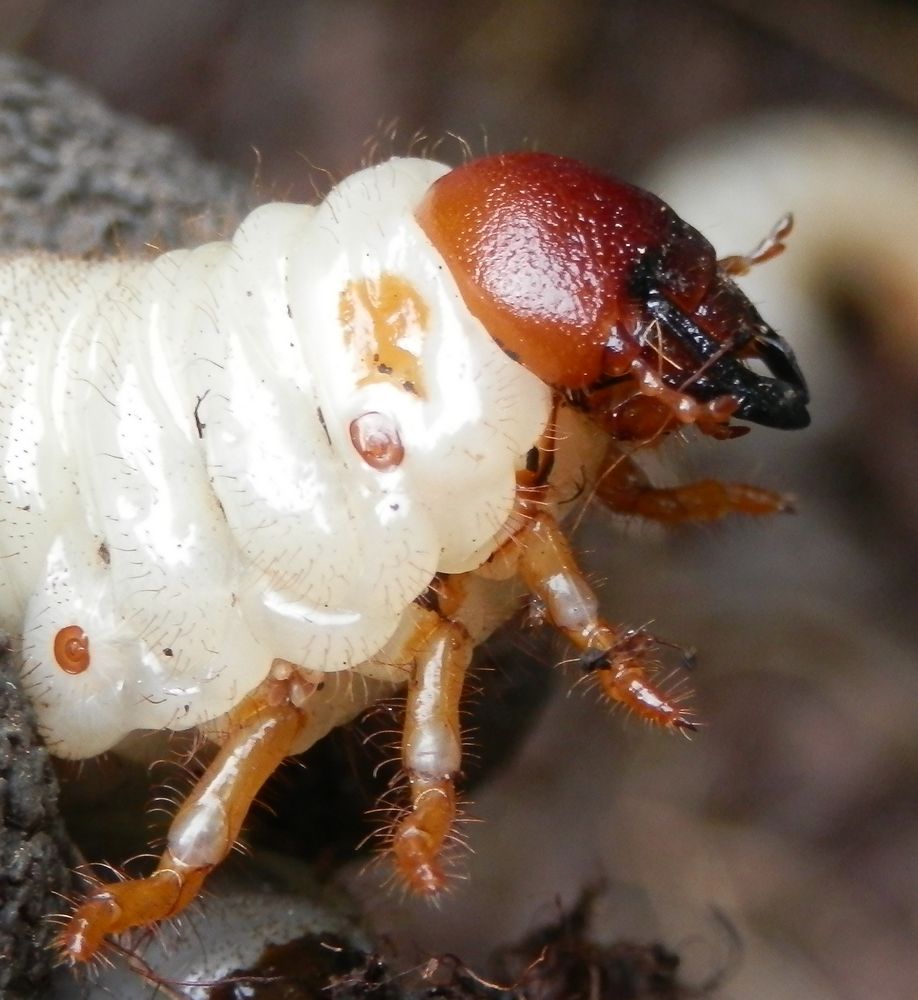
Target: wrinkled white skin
192 559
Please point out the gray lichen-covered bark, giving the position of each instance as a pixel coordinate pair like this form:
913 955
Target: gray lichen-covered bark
74 178
35 854
77 178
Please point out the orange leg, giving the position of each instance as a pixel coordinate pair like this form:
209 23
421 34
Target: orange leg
262 730
619 657
625 488
431 756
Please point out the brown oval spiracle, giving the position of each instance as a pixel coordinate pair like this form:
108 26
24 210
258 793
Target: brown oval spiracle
71 649
377 440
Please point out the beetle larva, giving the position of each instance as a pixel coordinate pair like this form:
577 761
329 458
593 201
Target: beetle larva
255 486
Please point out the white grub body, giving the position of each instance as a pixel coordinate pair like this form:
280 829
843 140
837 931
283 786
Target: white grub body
179 478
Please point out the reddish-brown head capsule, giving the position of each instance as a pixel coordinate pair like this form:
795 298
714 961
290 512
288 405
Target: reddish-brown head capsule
587 281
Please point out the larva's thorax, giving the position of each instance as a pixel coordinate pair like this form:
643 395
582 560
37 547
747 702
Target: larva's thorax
254 450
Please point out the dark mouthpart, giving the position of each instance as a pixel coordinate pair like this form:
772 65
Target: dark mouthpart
779 401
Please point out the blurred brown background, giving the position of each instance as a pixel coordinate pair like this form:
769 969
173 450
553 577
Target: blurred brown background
615 82
794 813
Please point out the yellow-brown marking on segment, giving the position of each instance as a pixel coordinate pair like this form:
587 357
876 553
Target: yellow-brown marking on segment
384 320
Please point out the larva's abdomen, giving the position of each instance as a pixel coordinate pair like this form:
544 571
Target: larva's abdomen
256 450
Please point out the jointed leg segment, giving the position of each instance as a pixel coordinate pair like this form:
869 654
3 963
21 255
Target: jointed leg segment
549 569
625 488
431 756
263 729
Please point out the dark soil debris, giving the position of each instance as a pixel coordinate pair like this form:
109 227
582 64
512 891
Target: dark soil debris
556 962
